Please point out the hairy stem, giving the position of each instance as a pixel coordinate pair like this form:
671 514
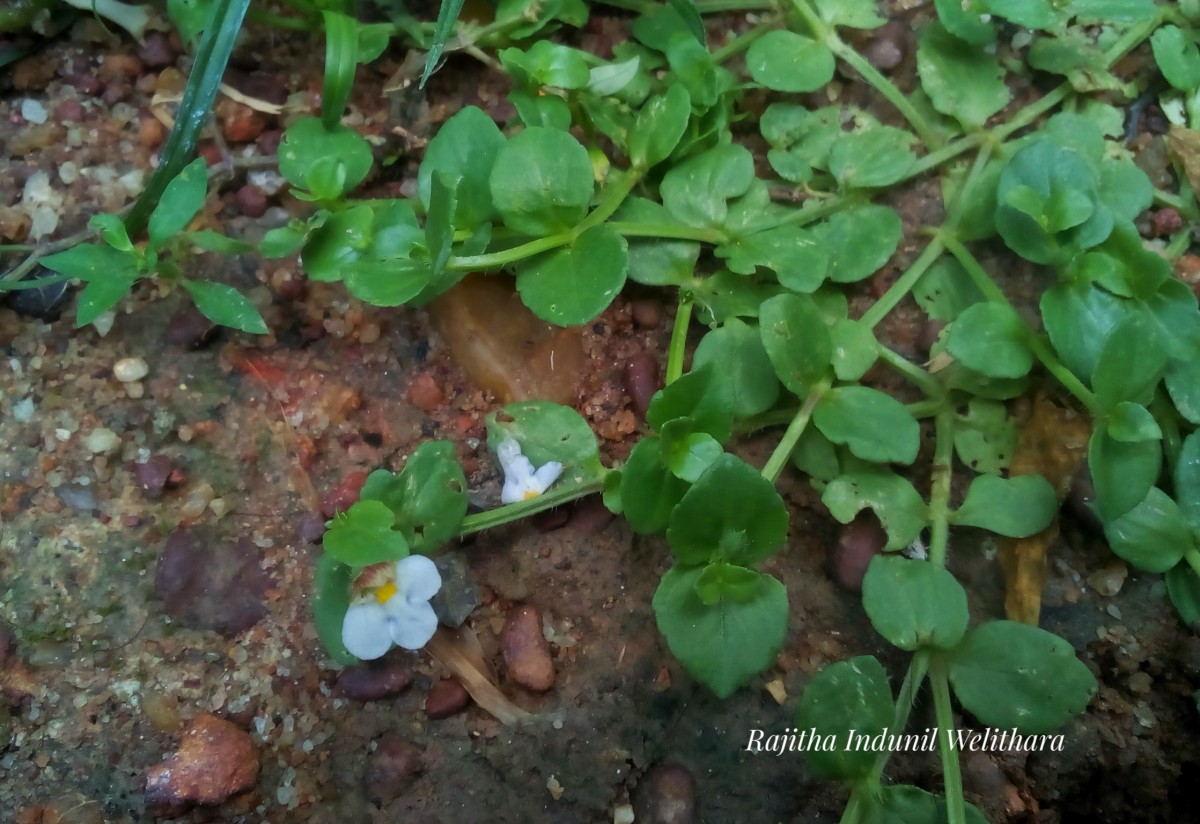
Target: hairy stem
556 496
677 349
792 435
956 808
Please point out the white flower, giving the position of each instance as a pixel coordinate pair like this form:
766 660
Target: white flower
395 612
521 481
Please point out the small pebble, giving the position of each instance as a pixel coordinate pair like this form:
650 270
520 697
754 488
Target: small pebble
188 328
128 370
391 769
374 680
527 657
82 498
446 698
647 312
251 201
156 51
424 393
153 476
310 528
641 381
344 495
33 111
102 441
205 584
666 795
216 760
861 540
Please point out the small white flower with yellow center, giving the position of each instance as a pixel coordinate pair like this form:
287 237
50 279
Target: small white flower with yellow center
521 481
395 610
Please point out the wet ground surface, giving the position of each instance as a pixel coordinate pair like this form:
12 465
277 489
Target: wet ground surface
158 535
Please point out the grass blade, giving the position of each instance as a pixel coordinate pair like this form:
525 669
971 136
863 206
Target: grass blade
447 17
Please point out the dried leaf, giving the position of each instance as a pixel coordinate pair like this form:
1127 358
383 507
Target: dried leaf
1052 442
1184 144
459 657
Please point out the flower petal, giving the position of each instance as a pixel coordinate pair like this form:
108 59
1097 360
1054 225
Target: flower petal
417 578
365 630
547 474
411 624
515 488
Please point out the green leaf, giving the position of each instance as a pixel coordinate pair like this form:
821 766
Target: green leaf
372 40
466 146
902 804
968 20
448 13
341 60
343 238
1152 536
1132 422
876 427
731 514
793 254
439 227
992 340
686 10
655 261
307 143
734 583
1183 588
1078 319
546 63
612 78
93 261
1009 674
739 360
877 156
848 695
1178 57
855 14
796 340
363 535
100 295
722 645
1123 472
331 600
649 489
112 231
808 135
946 290
542 182
893 499
572 285
428 499
282 241
388 282
962 80
1030 14
985 437
1130 363
1015 507
815 456
1187 480
696 191
180 201
1182 379
659 126
546 432
855 349
698 395
914 604
859 241
689 453
225 306
545 111
784 61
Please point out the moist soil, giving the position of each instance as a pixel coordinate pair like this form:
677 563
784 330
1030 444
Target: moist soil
158 536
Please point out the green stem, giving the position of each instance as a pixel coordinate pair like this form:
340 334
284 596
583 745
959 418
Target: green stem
555 496
926 408
1171 199
1037 344
939 491
929 138
795 429
956 808
280 21
915 374
743 41
678 347
1179 244
904 284
613 197
1192 556
668 231
918 665
494 260
807 214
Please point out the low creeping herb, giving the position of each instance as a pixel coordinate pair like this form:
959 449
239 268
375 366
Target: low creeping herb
634 169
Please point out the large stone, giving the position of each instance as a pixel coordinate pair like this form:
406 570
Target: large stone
216 760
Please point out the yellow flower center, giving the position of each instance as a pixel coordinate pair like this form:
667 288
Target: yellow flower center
530 494
385 592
